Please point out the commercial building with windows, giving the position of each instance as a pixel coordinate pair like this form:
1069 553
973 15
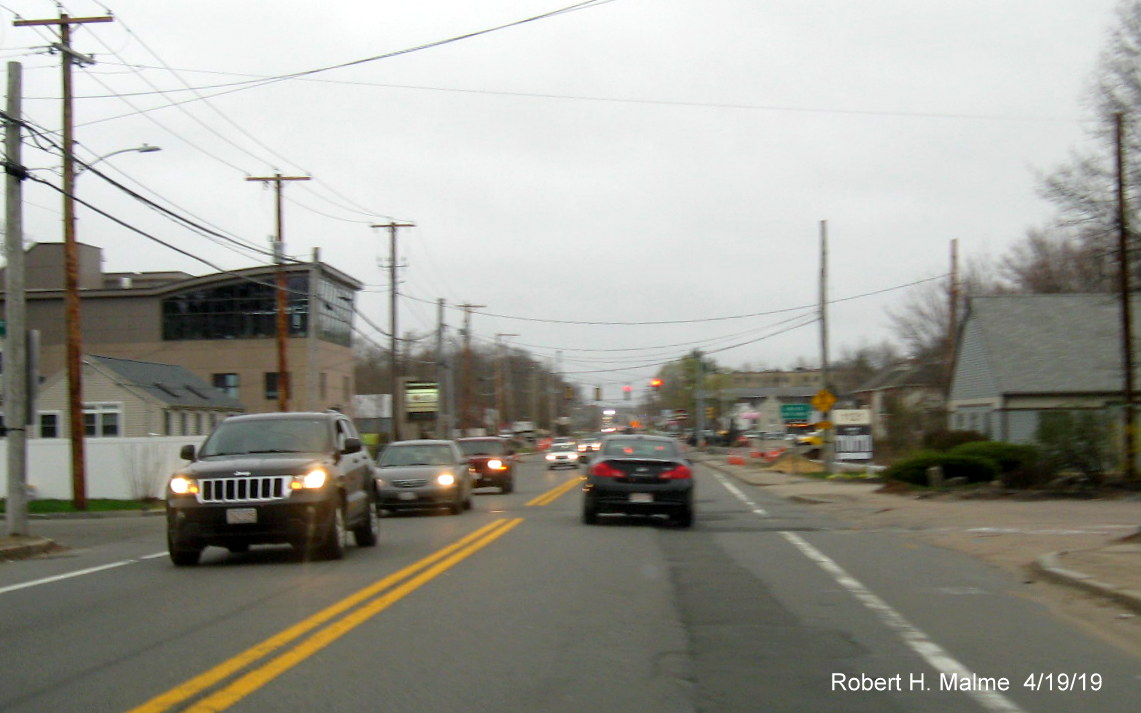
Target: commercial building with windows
221 327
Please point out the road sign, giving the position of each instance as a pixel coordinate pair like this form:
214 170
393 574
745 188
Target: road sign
823 400
795 412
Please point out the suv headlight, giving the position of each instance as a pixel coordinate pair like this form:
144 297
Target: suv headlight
446 479
312 480
495 464
182 485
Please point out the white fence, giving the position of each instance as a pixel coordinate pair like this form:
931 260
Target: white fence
118 468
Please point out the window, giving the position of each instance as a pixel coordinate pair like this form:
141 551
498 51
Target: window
271 385
323 385
236 310
102 420
227 384
49 424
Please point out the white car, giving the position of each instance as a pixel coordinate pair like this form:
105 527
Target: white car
562 455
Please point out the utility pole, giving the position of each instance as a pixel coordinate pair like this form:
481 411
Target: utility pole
952 312
76 427
283 386
1126 305
15 312
443 430
502 382
829 449
394 356
466 401
312 334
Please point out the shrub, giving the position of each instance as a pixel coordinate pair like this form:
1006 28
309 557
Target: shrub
944 440
1018 464
914 469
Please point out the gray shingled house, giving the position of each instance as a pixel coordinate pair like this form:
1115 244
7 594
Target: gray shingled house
131 398
1021 355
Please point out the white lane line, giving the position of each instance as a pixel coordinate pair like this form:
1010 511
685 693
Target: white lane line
915 638
77 573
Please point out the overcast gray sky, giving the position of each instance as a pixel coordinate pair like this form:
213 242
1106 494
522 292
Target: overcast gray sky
629 163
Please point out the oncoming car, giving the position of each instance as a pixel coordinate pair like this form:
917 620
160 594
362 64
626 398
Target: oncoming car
492 461
424 475
269 478
562 455
639 475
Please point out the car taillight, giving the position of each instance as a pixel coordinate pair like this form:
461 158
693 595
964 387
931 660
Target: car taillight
605 470
682 472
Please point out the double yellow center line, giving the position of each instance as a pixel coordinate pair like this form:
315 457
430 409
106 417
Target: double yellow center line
361 606
551 495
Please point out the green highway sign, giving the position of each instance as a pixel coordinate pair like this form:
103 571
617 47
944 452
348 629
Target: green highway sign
795 412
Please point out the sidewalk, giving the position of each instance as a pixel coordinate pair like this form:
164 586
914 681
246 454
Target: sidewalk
1090 544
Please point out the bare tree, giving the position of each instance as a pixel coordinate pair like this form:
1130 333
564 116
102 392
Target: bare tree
1053 260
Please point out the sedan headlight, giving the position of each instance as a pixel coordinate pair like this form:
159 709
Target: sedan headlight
446 479
495 464
181 485
312 480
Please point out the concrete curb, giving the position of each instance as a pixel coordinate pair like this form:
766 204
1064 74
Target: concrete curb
1049 566
34 546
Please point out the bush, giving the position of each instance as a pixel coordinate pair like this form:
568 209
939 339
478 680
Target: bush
914 469
1018 464
945 440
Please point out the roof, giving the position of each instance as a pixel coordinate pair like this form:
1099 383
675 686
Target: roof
168 383
903 374
1052 343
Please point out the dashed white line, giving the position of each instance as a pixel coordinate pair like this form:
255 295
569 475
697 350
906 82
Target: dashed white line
916 639
77 573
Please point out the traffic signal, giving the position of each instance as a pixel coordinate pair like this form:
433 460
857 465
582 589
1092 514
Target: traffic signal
655 383
626 391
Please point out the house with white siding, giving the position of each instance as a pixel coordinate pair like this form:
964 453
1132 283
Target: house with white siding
1020 356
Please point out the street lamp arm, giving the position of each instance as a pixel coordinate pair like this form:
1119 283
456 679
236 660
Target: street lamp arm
145 148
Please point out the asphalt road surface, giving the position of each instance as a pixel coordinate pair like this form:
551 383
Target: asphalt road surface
517 606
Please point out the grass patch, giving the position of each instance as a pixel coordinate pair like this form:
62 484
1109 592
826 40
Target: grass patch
45 507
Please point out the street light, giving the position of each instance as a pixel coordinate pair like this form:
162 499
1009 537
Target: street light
74 339
144 148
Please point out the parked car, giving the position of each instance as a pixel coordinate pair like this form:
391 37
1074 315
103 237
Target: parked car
492 461
642 475
424 475
562 455
298 478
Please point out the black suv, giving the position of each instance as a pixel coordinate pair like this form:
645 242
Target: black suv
296 478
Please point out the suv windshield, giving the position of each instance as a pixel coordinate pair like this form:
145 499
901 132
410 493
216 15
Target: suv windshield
398 455
268 436
489 447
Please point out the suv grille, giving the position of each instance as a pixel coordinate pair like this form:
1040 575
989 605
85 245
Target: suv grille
246 489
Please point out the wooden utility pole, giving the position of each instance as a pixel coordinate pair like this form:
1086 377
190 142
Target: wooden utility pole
15 312
76 425
466 401
394 359
282 329
952 308
829 445
1126 306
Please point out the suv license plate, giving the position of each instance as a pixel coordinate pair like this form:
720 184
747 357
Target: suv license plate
241 516
641 497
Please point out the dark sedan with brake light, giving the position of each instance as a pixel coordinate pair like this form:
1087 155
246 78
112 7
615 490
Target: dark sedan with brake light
639 475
